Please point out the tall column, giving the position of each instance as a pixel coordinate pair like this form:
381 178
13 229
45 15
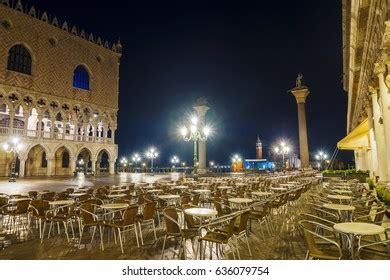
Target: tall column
22 165
39 132
72 162
93 165
50 164
379 136
300 93
201 107
52 125
112 167
373 151
384 95
11 120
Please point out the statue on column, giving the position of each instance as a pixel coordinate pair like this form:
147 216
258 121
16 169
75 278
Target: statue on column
299 81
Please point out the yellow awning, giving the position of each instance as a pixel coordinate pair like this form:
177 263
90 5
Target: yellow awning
359 138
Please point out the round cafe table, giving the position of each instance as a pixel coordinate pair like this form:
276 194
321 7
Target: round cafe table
61 202
170 198
15 200
280 189
224 188
358 229
339 197
262 193
344 210
201 212
341 191
240 201
110 206
118 195
77 194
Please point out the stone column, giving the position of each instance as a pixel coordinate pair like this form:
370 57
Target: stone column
11 120
201 107
93 165
39 118
372 152
300 94
52 125
379 136
384 100
22 166
50 164
72 162
112 167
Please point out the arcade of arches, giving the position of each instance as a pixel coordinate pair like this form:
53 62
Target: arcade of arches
39 161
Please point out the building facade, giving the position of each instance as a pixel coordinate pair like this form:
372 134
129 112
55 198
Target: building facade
366 62
58 94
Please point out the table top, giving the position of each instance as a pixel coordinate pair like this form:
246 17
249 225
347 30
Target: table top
240 200
262 193
341 191
224 188
116 195
77 194
180 187
14 200
359 228
153 190
202 191
169 196
338 196
201 212
114 205
278 189
61 202
339 207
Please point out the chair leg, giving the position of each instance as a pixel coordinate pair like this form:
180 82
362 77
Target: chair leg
120 239
51 225
93 233
81 234
140 234
71 227
43 231
101 237
154 231
66 231
247 243
136 235
163 248
237 248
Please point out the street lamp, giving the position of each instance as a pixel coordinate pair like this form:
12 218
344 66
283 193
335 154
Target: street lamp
81 164
211 164
152 154
14 147
283 149
195 133
236 159
136 158
124 164
174 160
321 156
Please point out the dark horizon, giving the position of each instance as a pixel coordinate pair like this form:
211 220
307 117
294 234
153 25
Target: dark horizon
243 59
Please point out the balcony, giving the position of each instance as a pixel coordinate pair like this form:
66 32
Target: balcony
46 135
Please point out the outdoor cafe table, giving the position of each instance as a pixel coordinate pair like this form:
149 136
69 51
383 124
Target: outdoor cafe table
180 187
114 206
61 202
261 193
339 197
224 188
15 200
338 191
358 229
240 201
77 194
201 212
154 191
116 195
280 189
170 198
344 210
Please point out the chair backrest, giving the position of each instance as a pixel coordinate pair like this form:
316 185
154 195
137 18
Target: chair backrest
171 221
33 194
149 210
70 190
185 199
195 199
230 228
130 215
87 211
188 218
22 206
39 207
3 201
244 221
48 196
218 206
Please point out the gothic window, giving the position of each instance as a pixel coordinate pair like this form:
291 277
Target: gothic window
44 161
65 160
19 60
81 78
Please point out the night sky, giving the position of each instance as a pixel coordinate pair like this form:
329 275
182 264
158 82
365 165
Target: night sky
242 56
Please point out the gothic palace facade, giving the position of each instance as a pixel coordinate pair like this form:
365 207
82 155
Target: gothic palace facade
58 94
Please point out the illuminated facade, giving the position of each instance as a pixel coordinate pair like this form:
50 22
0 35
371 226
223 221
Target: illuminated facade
366 61
58 94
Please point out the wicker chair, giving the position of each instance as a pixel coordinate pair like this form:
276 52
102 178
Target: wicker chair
147 218
62 214
38 210
88 219
173 229
127 224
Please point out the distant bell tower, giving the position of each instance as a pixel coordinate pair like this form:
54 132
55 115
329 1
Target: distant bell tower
259 149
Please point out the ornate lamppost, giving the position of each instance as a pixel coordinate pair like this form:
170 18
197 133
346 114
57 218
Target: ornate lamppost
283 150
321 156
14 147
195 133
152 154
174 160
236 160
136 158
124 164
